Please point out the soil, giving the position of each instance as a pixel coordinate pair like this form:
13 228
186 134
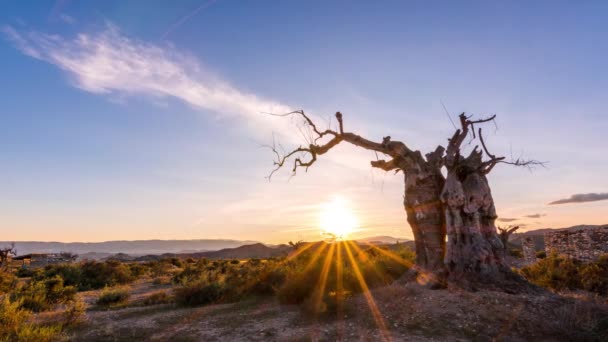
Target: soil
405 312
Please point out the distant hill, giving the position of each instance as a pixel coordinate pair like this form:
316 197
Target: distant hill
256 250
136 247
538 235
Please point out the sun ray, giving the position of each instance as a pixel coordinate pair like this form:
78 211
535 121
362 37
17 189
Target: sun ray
363 256
392 255
323 279
422 278
316 255
340 290
368 296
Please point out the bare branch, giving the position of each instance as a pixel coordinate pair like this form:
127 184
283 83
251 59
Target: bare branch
395 149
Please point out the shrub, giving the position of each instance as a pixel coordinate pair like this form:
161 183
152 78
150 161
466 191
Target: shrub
113 296
7 282
560 273
25 272
56 292
554 272
70 273
75 312
594 278
12 316
161 297
541 254
198 293
38 333
33 297
14 324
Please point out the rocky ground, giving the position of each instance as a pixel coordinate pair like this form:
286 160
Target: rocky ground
403 312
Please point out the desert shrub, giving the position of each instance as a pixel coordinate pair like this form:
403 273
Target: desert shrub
376 266
160 297
41 295
14 325
113 296
554 272
235 262
198 293
12 317
75 312
70 273
33 297
189 273
160 268
38 333
8 281
560 273
137 270
96 275
541 254
26 272
56 292
594 278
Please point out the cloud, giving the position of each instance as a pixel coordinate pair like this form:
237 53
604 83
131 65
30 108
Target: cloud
67 19
507 219
535 215
579 198
108 62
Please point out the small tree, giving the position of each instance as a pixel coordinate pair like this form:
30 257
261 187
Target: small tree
505 234
6 254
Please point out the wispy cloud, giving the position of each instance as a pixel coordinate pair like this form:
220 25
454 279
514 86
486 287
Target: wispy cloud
507 219
67 19
579 198
535 215
109 62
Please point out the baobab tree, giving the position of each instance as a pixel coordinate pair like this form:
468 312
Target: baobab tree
458 206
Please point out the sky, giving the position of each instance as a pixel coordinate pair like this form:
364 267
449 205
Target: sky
127 120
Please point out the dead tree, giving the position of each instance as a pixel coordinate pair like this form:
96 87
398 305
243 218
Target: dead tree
505 234
459 206
6 254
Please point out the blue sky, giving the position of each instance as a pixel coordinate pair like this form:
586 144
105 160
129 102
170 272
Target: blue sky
141 119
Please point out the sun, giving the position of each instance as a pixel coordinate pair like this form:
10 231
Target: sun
338 219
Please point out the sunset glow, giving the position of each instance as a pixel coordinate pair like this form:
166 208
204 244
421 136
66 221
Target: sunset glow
338 219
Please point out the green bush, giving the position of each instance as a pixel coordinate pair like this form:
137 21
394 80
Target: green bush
113 296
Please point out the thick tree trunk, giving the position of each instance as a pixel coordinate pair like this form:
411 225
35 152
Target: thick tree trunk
474 250
425 216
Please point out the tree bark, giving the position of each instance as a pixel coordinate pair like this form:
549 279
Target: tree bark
473 248
425 216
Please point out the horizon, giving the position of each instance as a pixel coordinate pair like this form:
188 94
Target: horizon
127 122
